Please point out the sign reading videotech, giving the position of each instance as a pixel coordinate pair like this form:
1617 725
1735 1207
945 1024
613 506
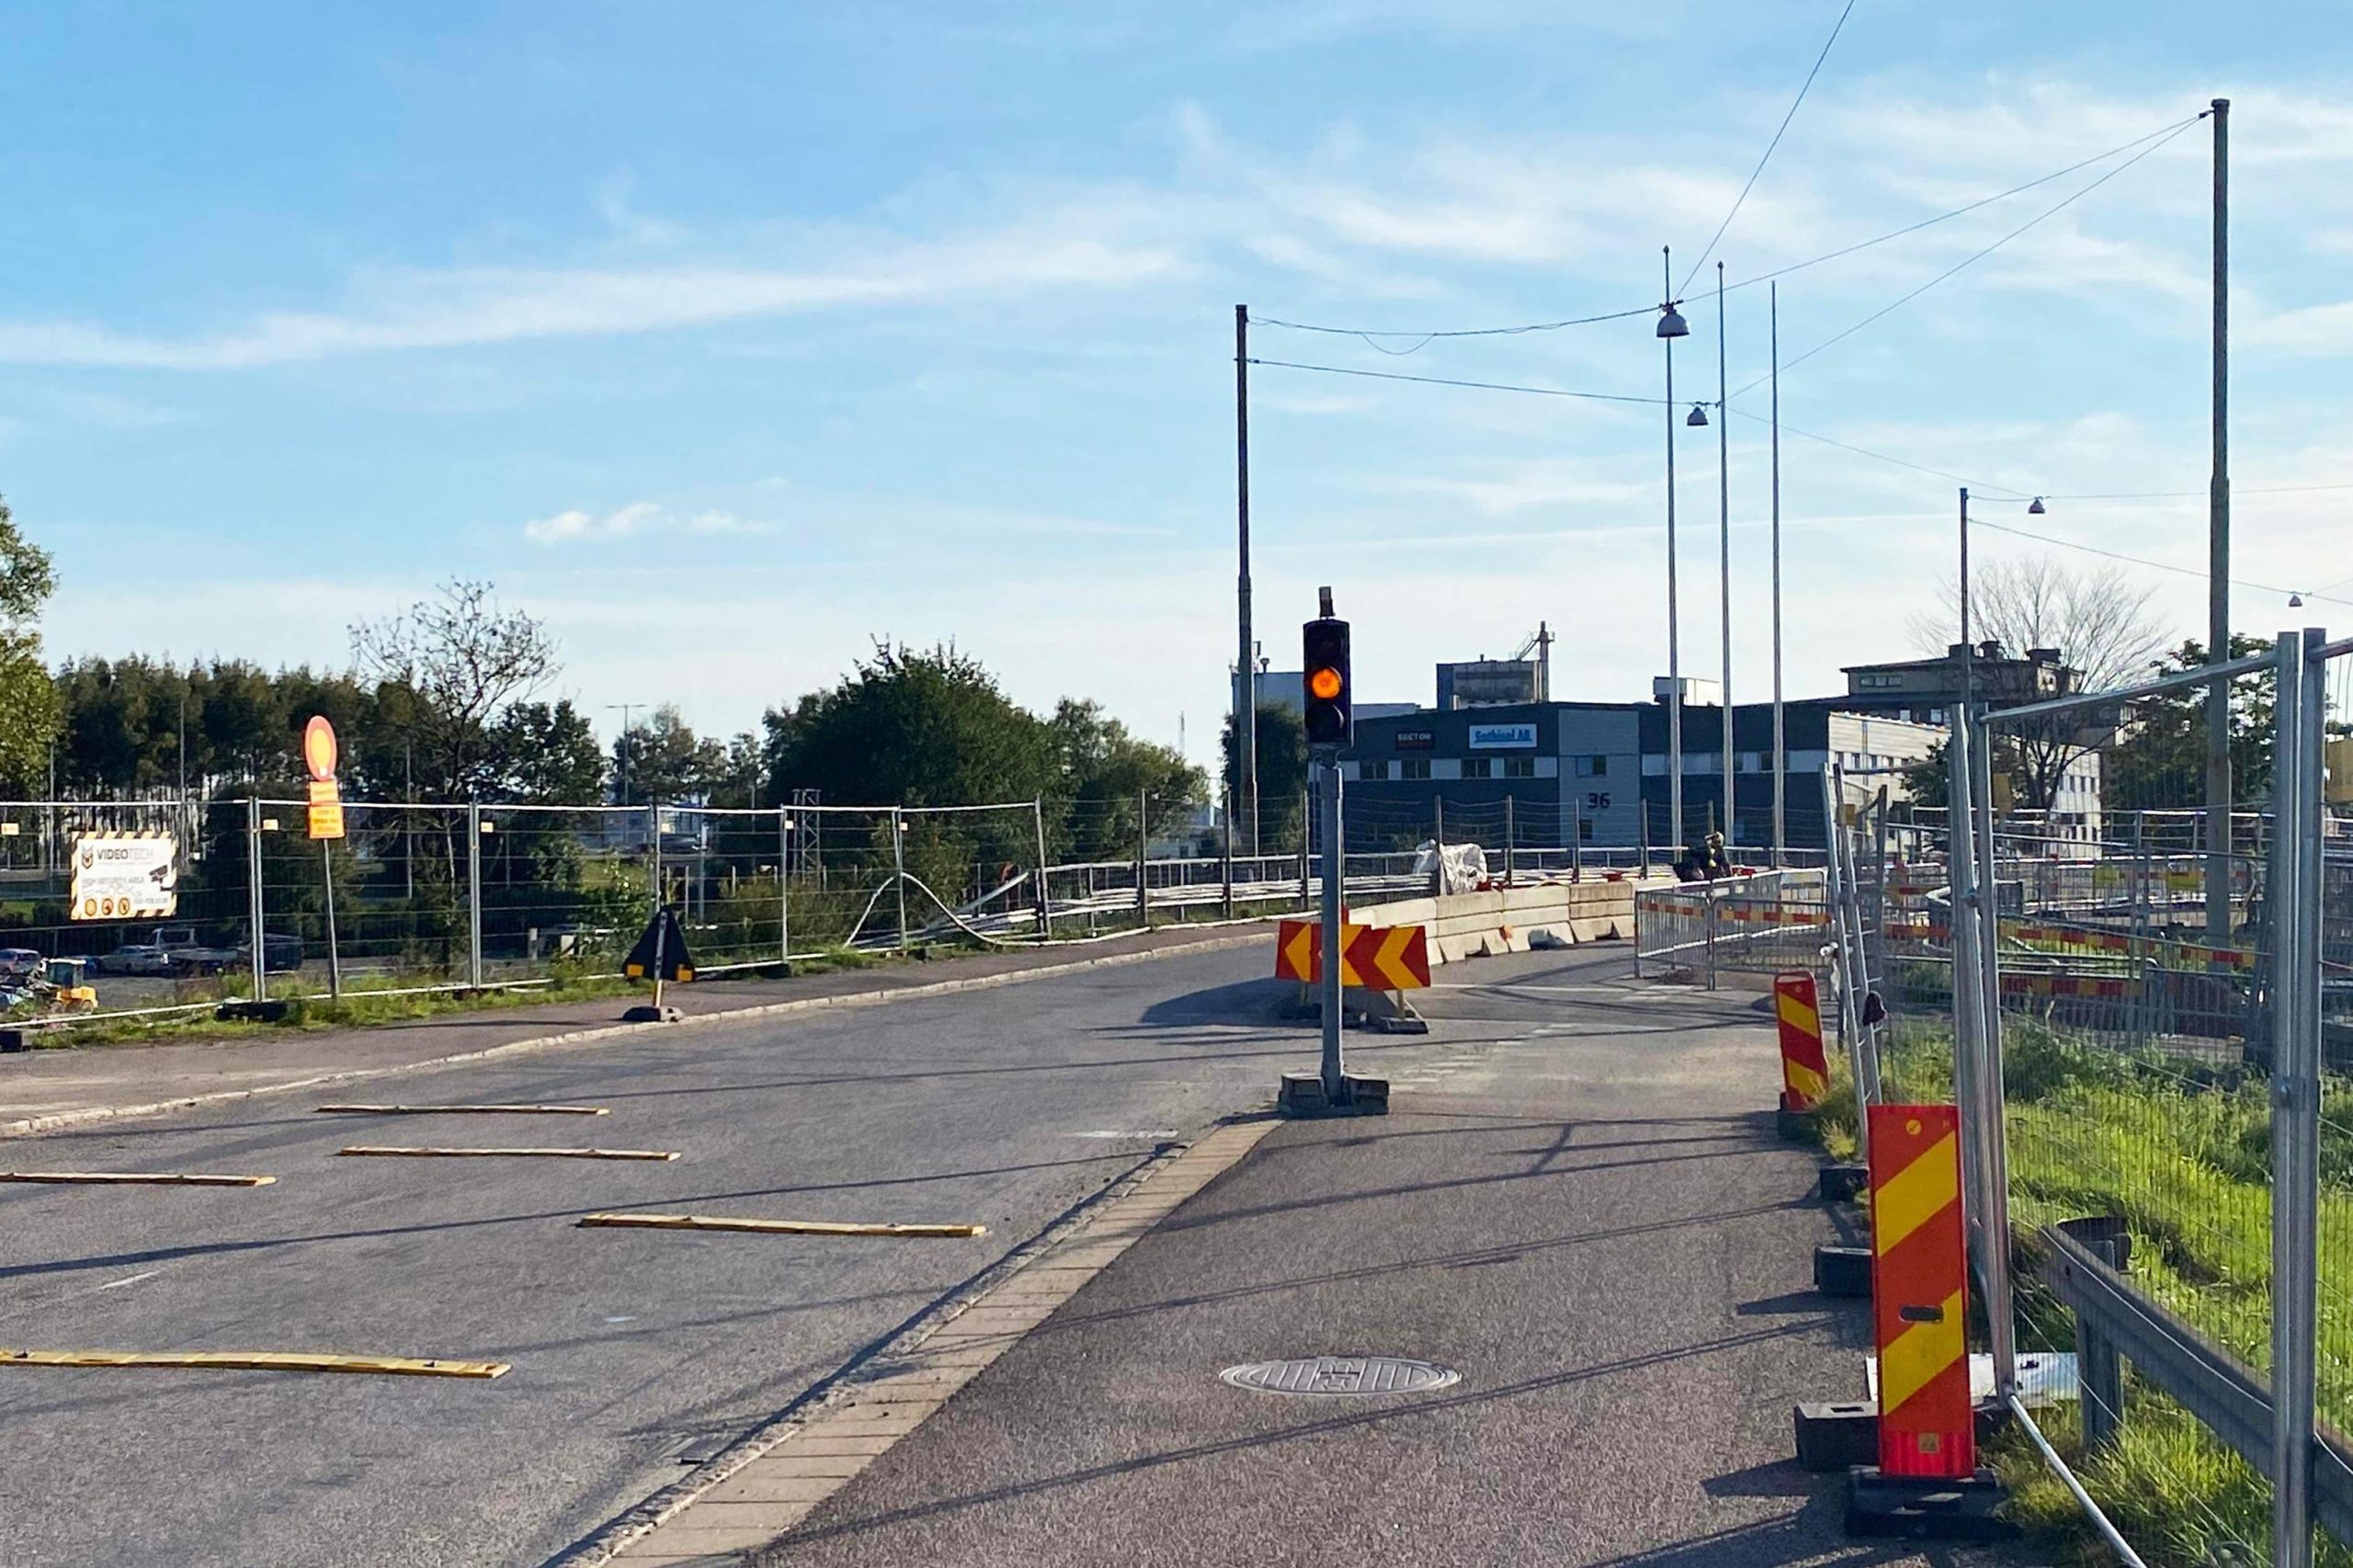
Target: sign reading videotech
125 876
1502 737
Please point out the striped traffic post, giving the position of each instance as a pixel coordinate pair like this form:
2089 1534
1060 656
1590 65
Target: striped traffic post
1927 1482
1805 1074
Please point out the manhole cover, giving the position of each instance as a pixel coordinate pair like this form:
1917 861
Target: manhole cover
1342 1374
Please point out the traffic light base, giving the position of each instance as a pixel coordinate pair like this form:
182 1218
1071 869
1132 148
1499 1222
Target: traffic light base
645 1013
1303 1096
1922 1508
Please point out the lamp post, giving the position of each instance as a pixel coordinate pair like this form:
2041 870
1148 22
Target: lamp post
1723 537
1671 326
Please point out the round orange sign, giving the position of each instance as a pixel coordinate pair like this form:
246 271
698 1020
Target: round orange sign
318 750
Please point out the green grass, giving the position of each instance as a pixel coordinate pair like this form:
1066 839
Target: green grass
2180 1150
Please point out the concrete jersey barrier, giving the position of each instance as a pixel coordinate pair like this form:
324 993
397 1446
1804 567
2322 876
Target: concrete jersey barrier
1508 920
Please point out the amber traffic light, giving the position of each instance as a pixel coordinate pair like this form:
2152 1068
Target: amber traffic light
1331 715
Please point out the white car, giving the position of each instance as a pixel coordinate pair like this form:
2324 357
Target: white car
136 957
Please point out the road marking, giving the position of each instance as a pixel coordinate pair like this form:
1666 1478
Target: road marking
136 1178
129 1279
257 1362
463 1110
777 1227
520 1153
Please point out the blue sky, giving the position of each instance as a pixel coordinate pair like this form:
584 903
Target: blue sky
730 338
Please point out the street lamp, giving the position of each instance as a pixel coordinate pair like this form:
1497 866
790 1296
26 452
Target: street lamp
1671 325
1698 416
2036 509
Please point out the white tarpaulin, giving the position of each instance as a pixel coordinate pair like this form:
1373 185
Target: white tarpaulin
1466 865
125 876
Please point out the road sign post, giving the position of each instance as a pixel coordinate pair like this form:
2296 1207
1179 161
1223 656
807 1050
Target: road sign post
321 752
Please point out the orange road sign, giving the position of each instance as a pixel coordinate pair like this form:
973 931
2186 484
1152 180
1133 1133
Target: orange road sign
1372 957
1920 1293
1805 1074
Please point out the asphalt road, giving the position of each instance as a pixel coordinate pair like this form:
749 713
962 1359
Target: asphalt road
631 1348
1585 1213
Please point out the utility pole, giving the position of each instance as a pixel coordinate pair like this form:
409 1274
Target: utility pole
1673 644
620 751
1780 737
2218 564
1245 668
1724 546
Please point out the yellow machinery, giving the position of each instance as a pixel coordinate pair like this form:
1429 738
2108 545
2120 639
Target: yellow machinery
70 987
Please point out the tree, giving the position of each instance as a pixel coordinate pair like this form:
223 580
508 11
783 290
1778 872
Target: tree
2161 761
1282 776
464 658
29 702
1107 775
2099 622
910 727
664 760
546 755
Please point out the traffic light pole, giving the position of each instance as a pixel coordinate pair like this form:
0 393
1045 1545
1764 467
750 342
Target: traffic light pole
1334 874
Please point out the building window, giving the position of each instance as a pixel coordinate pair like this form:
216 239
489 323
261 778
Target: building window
1478 767
1414 768
1592 767
1584 829
1519 768
1376 769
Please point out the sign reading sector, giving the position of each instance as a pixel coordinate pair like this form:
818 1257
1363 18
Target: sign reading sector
125 876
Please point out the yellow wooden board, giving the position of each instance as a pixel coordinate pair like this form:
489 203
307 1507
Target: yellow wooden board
463 1110
520 1153
137 1179
258 1361
775 1227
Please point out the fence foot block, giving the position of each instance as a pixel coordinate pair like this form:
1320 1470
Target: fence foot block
1842 1271
1925 1508
646 1013
1836 1435
1794 1126
1844 1184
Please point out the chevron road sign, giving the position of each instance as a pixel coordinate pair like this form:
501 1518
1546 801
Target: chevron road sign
1372 957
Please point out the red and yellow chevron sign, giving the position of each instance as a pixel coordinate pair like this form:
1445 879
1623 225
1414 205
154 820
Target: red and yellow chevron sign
1805 1074
1920 1293
1372 957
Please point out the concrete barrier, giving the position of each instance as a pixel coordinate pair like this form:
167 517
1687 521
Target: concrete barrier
1509 920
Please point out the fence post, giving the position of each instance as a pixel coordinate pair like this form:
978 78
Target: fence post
335 959
1143 857
1045 897
1642 832
2299 700
1968 974
2001 1327
899 869
2099 1368
1576 839
1306 816
1225 902
1708 928
654 848
783 885
1510 839
473 894
254 891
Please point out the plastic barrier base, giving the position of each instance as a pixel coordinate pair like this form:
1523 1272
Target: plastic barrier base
1842 1271
1844 1184
1916 1508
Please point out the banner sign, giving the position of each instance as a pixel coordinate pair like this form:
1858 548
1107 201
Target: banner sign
1502 737
125 876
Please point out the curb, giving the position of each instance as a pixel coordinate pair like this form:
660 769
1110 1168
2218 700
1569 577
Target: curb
769 1481
83 1117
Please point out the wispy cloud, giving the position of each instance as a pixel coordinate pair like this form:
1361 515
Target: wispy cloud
638 518
461 307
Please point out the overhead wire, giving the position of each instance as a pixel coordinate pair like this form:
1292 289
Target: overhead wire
1423 338
1444 382
1972 259
1804 88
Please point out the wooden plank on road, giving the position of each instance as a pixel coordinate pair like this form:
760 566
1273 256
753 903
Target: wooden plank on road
433 1154
258 1361
775 1227
136 1178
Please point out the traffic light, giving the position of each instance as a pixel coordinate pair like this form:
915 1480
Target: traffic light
1331 704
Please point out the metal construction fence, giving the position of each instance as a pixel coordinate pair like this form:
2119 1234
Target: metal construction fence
438 896
2149 1031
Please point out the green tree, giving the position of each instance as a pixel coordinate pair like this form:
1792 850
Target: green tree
1282 776
28 704
465 658
547 755
2161 761
664 760
1106 774
913 728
